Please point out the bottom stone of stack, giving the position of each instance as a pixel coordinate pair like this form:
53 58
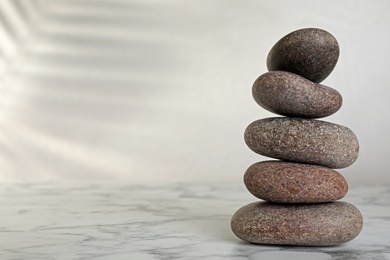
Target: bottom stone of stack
325 224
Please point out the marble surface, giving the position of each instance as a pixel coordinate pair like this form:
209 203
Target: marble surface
170 221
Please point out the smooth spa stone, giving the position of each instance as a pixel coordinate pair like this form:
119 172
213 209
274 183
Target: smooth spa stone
285 182
325 224
304 141
289 94
311 53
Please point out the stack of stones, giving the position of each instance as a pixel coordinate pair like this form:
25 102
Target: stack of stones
300 189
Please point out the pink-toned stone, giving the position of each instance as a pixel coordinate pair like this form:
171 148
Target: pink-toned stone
286 182
325 224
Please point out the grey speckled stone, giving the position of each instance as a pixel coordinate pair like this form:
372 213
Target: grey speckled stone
325 224
304 141
311 53
285 182
289 94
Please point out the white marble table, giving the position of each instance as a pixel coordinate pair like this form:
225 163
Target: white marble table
176 221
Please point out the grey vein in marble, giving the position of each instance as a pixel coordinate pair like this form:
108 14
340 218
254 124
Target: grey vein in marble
177 221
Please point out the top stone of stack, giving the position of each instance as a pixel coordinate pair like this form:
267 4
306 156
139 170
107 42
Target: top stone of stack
311 53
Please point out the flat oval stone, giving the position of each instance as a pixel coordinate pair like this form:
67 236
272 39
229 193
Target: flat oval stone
311 53
285 182
289 94
325 224
304 141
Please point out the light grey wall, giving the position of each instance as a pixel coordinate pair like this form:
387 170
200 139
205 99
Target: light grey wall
147 91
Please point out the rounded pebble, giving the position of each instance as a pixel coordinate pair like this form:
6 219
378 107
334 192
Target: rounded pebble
303 141
289 94
285 182
311 53
325 224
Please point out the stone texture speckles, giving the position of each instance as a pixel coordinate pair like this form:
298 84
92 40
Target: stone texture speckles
289 94
311 53
284 182
304 141
325 224
301 189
